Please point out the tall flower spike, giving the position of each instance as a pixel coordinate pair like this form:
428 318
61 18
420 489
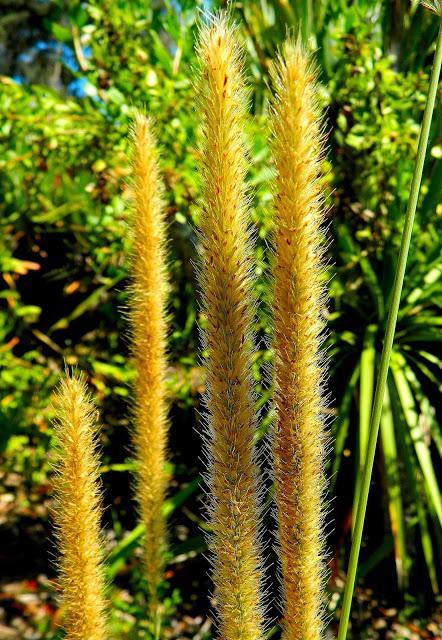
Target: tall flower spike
77 513
150 288
298 443
226 285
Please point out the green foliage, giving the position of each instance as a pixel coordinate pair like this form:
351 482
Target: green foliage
64 247
376 135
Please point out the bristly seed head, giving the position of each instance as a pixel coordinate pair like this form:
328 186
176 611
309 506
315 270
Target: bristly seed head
77 512
299 433
149 328
226 284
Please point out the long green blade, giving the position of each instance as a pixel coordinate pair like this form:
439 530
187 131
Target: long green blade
395 504
418 437
389 337
366 389
414 483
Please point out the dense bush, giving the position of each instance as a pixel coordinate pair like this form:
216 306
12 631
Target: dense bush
63 260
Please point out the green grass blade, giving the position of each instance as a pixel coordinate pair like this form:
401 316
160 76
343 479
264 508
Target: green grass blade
427 546
417 435
395 504
366 390
119 555
431 286
413 479
427 411
389 337
123 550
175 501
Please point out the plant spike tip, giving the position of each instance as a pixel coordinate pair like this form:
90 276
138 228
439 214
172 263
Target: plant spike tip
298 439
149 328
226 285
77 512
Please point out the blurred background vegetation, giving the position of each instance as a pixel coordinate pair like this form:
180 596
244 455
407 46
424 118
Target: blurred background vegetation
71 75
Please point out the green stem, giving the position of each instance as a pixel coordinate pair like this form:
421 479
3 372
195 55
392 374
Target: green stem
389 337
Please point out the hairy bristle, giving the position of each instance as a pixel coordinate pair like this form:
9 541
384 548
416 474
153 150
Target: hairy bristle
226 284
149 328
298 441
77 513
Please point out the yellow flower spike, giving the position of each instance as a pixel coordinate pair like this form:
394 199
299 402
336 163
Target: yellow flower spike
77 513
226 285
298 444
149 324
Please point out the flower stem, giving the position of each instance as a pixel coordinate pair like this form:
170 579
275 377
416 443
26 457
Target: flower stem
389 337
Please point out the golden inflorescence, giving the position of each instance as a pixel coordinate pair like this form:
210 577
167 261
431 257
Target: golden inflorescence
298 440
226 285
149 326
77 513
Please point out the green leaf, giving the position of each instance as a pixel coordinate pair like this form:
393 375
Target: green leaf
395 504
123 551
28 310
61 33
417 435
427 411
366 391
171 504
414 482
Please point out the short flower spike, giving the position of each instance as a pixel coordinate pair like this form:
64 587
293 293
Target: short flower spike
78 512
